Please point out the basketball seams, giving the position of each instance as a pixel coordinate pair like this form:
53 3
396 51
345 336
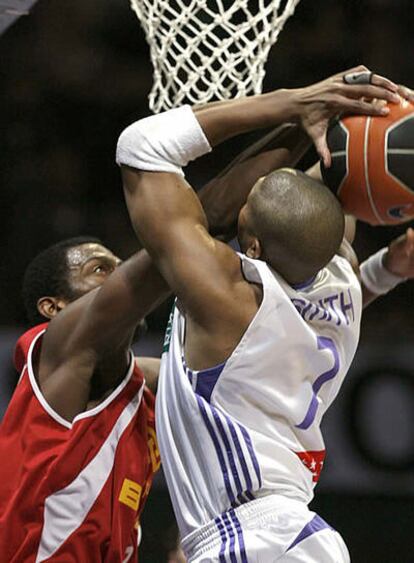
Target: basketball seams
398 151
366 170
346 154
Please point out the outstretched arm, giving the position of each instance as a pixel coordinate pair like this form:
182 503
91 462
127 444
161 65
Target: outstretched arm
312 107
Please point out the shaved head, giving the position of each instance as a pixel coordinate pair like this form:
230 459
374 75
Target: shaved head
297 221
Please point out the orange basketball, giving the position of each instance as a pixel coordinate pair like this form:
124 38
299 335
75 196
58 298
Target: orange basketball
372 169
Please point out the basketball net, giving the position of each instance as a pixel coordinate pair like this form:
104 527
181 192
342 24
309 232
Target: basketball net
209 49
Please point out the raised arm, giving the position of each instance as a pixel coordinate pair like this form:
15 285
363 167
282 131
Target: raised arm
164 211
312 107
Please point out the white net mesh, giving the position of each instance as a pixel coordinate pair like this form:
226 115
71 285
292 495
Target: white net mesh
209 49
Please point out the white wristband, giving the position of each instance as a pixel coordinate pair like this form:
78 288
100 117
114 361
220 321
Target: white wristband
163 143
376 277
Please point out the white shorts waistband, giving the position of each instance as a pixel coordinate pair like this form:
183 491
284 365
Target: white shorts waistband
256 514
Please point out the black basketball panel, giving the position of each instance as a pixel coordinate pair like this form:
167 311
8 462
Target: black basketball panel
337 143
335 175
337 137
402 136
401 166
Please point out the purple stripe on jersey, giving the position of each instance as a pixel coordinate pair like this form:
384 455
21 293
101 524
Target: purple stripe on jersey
206 380
223 536
229 451
232 537
253 457
310 414
240 454
239 531
324 343
217 448
315 525
243 497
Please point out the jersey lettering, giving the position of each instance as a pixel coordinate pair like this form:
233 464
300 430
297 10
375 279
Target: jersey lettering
153 449
337 308
130 494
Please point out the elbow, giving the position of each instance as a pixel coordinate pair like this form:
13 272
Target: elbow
145 145
129 145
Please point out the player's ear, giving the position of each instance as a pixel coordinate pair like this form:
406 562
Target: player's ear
254 249
49 307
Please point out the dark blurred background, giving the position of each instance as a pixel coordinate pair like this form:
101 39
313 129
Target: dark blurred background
72 75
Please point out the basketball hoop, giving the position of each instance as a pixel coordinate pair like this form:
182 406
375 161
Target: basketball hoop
209 49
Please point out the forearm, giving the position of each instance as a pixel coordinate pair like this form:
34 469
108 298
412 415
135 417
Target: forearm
377 276
234 117
136 290
109 316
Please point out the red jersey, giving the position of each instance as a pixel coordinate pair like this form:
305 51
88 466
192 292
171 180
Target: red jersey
74 491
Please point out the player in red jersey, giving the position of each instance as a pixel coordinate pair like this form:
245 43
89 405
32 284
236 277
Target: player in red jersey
79 434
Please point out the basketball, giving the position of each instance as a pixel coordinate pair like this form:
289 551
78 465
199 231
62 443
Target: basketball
372 170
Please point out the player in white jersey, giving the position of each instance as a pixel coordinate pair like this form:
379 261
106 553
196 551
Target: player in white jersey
237 435
259 343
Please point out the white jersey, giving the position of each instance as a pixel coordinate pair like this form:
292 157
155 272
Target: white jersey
251 427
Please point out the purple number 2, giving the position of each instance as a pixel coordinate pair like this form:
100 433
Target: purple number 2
324 343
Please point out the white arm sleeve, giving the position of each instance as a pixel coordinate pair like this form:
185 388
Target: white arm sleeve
163 143
376 277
